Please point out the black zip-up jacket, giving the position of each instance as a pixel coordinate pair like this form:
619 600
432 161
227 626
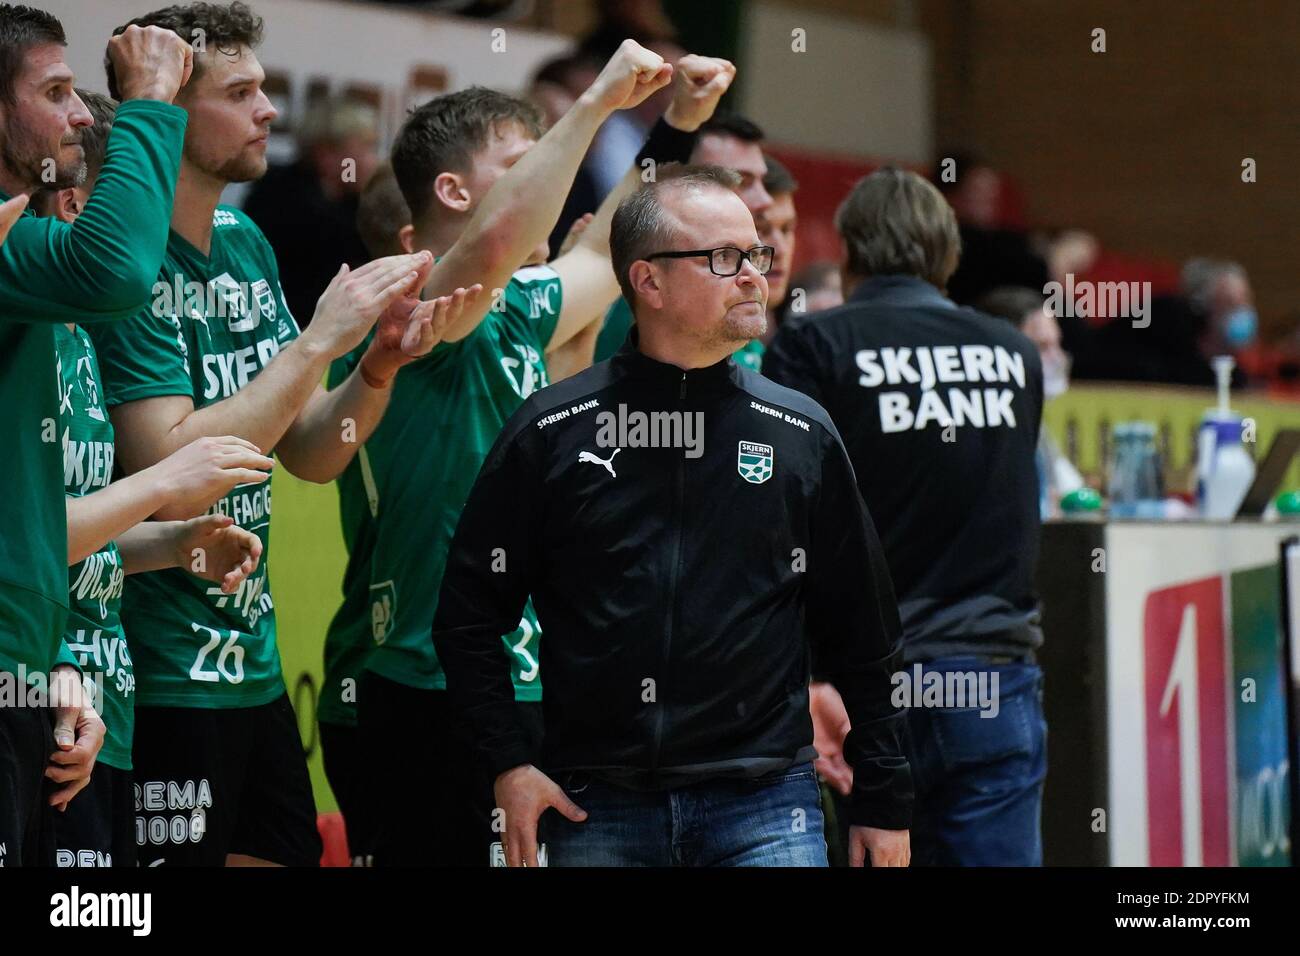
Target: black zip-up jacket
940 407
685 594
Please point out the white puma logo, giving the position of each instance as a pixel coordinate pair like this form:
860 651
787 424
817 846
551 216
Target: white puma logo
609 466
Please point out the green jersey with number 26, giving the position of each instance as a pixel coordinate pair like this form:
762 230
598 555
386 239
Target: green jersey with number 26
215 322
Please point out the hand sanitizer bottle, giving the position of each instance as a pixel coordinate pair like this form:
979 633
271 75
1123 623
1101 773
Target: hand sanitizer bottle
1225 470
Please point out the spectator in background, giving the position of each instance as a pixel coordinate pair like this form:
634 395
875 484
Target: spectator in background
620 138
308 209
554 89
619 19
993 253
815 287
1026 310
1219 293
1213 314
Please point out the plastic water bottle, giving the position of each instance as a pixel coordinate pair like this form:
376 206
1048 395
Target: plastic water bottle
1136 482
1224 469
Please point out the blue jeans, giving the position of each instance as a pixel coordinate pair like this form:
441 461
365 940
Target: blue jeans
770 821
979 780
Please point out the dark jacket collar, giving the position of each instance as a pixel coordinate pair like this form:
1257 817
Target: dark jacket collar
900 291
635 363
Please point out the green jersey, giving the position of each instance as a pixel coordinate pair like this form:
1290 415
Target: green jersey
97 269
94 629
750 356
618 322
347 641
216 321
445 414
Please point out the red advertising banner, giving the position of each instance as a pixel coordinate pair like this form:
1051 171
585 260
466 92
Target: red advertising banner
1186 725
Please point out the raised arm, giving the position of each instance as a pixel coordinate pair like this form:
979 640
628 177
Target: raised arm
585 271
520 209
102 266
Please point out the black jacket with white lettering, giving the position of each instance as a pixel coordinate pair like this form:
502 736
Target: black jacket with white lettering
940 409
684 601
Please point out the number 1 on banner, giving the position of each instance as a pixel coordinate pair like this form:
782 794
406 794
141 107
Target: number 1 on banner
1186 725
1182 682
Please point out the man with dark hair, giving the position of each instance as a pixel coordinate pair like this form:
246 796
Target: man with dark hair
108 538
680 631
97 269
732 142
218 352
735 142
940 407
67 202
776 227
471 165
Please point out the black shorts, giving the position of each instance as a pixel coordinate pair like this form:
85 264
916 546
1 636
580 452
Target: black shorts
26 817
214 782
349 777
98 828
434 797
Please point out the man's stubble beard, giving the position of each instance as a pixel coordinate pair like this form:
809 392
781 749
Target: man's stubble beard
735 330
237 169
243 170
27 162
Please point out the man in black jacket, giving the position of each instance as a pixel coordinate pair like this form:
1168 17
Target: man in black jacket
940 409
680 630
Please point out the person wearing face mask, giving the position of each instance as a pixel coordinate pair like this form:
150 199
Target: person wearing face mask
1220 292
1212 314
1026 310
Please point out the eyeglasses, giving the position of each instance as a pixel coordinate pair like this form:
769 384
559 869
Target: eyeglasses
726 260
